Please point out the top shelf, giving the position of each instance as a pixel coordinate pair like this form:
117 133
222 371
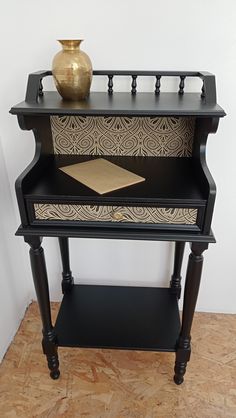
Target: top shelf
131 103
102 104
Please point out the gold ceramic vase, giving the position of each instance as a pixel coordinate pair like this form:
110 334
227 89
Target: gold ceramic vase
72 71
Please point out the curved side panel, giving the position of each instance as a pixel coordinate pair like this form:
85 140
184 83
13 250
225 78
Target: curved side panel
205 126
43 154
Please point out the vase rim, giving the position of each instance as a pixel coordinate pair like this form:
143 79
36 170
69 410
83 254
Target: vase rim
70 43
70 40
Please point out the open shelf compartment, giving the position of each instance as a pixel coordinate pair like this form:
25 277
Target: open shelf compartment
173 195
167 179
122 317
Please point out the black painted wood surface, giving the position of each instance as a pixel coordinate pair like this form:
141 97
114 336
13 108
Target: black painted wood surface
175 283
208 91
122 103
114 233
39 273
109 316
167 180
192 284
67 279
124 317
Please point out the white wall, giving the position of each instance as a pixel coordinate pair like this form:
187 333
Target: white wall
14 275
183 35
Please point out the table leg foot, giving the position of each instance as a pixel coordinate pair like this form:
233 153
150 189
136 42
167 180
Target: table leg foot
50 350
180 369
55 374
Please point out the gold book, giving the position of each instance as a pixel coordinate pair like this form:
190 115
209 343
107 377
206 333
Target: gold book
102 175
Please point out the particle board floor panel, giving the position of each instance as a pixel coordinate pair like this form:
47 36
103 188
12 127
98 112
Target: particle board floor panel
98 383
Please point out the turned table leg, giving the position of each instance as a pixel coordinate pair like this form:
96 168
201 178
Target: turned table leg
192 284
175 283
39 273
67 279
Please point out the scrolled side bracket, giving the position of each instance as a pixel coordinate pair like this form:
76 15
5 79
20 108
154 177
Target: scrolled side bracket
34 86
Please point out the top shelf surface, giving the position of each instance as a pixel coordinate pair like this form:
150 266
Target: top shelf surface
119 103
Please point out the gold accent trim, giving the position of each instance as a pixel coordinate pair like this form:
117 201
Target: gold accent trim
95 213
128 136
118 216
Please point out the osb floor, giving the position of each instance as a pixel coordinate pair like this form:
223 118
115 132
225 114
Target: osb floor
119 384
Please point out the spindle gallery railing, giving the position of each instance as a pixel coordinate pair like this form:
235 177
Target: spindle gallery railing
181 84
208 91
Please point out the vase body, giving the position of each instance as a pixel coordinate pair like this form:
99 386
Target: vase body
72 71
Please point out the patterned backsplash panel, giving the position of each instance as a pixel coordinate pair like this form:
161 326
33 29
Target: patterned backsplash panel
127 136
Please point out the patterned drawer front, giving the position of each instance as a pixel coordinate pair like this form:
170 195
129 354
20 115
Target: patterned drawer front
95 213
127 136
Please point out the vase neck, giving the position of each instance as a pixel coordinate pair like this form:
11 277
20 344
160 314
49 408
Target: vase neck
70 44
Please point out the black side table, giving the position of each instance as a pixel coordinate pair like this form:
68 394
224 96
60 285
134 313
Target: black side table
160 136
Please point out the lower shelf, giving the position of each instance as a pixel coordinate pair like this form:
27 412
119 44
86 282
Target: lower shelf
141 318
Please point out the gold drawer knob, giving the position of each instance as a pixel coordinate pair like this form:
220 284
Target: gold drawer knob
117 216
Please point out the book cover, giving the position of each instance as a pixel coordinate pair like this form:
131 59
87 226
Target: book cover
101 175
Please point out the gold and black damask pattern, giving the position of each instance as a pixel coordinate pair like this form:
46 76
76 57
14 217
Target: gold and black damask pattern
96 213
127 136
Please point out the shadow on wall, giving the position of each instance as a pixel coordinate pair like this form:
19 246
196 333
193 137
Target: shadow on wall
15 291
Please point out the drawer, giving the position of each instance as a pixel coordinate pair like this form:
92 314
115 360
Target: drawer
54 213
